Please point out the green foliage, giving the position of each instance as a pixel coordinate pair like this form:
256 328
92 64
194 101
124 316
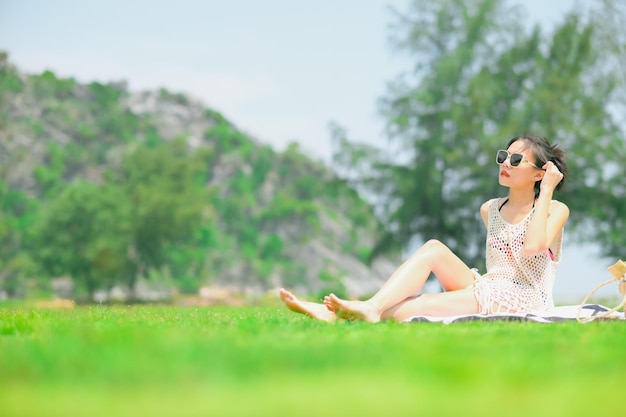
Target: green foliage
178 98
227 138
364 253
111 122
48 87
271 247
120 230
50 176
10 82
165 189
17 215
85 233
284 206
294 274
332 283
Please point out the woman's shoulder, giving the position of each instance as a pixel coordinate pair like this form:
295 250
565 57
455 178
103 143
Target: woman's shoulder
558 206
484 213
485 206
557 203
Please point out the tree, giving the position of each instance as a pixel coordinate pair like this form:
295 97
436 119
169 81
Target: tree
165 187
113 233
17 213
85 233
480 78
604 206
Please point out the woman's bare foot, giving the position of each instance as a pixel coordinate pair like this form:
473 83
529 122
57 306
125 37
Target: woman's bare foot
351 310
314 310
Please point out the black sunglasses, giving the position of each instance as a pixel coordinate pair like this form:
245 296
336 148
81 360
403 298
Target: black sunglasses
516 159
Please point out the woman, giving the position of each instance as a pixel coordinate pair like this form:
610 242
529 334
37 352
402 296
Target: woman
524 235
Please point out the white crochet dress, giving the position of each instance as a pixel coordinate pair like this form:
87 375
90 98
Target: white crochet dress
514 282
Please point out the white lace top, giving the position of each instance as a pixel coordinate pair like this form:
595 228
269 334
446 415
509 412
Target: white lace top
514 282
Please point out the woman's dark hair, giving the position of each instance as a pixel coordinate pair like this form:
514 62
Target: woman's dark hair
544 152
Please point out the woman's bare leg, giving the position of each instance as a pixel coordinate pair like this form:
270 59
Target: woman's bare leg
316 311
445 304
433 257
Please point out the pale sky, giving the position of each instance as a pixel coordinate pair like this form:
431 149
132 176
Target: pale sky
280 70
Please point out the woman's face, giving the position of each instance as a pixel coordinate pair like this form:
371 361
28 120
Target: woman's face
524 174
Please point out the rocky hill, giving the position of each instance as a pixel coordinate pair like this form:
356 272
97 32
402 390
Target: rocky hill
277 218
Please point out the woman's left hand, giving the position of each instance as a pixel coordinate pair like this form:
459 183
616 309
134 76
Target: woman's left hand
551 178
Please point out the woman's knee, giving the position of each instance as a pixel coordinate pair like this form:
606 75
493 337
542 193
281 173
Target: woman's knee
435 248
431 252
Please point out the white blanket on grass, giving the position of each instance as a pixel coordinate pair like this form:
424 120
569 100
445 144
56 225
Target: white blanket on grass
559 314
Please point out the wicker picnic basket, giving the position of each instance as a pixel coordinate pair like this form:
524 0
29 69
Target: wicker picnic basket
619 275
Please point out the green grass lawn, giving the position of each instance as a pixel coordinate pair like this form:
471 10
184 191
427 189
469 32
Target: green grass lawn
266 361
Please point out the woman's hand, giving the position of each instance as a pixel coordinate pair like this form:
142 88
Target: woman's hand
551 178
